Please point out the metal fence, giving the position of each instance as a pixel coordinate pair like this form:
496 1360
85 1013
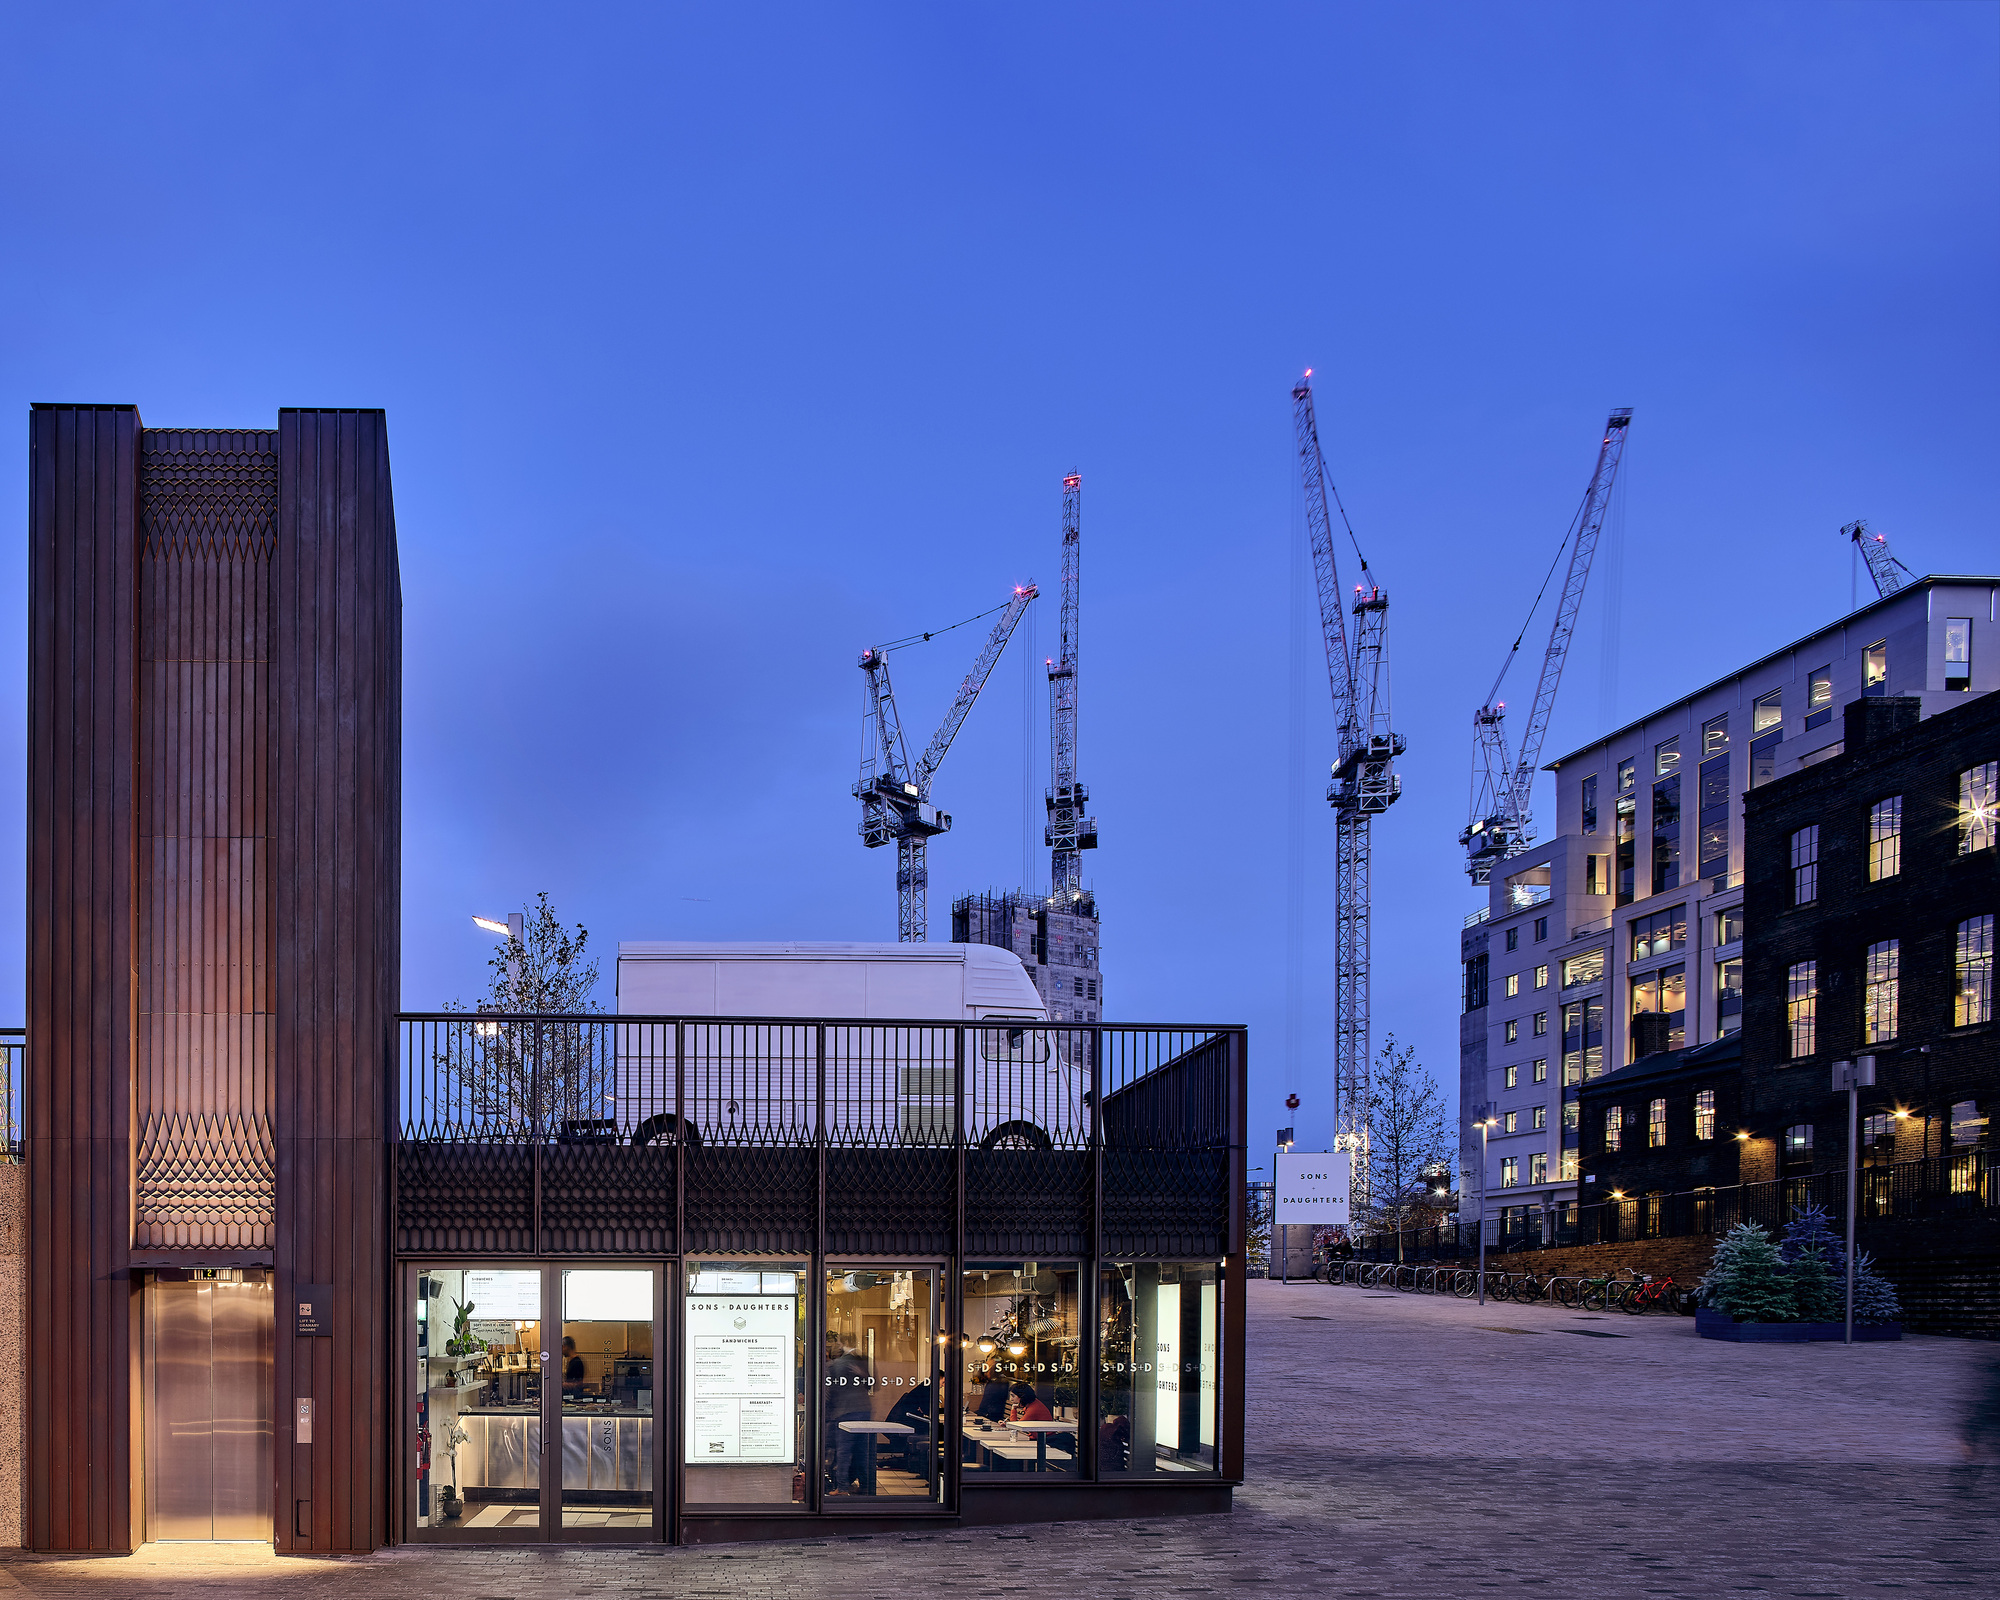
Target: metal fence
470 1078
13 1075
1961 1183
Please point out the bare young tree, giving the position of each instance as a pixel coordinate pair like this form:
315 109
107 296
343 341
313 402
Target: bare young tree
1406 1142
521 1073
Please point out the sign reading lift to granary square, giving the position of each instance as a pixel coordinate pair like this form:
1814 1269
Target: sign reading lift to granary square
1313 1188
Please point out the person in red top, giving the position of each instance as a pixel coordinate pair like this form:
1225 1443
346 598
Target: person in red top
1031 1408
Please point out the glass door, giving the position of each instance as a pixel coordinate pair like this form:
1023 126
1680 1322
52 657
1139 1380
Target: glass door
535 1394
879 1388
599 1401
476 1339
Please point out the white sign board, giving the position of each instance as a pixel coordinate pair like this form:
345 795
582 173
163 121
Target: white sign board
1313 1188
740 1405
505 1296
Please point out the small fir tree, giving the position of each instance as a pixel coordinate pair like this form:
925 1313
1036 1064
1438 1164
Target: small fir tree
1817 1295
1874 1295
1811 1228
1746 1278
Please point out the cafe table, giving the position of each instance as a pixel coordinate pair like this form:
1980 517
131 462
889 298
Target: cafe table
864 1425
1041 1431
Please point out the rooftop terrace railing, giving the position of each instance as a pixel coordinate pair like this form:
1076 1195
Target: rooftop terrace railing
13 1075
477 1078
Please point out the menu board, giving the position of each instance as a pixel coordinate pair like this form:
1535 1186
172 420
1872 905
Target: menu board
504 1295
740 1354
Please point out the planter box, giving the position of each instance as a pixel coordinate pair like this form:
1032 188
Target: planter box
1720 1325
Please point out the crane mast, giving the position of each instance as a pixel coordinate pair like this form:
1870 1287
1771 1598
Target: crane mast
1502 824
895 794
1884 568
1364 780
1069 831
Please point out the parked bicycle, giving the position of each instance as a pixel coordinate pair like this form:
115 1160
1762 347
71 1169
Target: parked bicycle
1647 1293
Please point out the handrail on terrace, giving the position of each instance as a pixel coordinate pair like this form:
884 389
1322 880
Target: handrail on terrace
13 1088
602 1078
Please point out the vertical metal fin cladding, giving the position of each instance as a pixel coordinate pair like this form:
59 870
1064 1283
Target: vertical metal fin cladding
206 1161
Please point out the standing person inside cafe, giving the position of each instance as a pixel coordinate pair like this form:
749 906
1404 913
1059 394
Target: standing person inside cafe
572 1378
847 1400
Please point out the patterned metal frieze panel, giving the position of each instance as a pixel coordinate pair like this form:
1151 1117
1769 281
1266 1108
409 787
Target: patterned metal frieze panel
1166 1203
895 1201
608 1199
751 1198
205 1181
465 1199
1027 1205
208 492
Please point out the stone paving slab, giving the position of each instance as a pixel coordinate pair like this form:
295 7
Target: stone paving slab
1400 1448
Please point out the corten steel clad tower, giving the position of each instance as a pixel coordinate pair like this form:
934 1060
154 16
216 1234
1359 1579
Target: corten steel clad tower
213 885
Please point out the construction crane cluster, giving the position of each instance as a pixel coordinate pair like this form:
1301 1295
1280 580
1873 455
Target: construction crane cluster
1365 782
895 793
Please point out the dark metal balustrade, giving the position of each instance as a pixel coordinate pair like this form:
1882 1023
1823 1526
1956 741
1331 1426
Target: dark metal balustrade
618 1135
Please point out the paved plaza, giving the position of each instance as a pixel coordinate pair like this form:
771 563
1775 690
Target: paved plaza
1398 1447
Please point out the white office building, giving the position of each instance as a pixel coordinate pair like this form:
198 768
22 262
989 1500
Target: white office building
1620 935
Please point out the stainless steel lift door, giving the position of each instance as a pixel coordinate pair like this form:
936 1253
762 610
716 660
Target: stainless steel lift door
208 1410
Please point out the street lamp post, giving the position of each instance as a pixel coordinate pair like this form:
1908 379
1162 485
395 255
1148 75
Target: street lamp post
1483 1124
1853 1076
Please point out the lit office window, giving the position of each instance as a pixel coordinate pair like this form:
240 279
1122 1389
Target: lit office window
1767 732
1513 984
1510 1172
1510 1030
1728 996
1958 653
1714 736
1541 1023
1704 1113
1978 807
1541 977
1875 668
1614 1128
1569 1167
1729 925
1805 866
1541 1117
1583 1040
1660 933
1974 1000
1802 1007
1885 839
1541 1071
1538 1169
1665 990
1799 1145
1667 757
1878 1004
1511 1077
1819 698
1511 1122
1656 1125
1571 1110
1580 970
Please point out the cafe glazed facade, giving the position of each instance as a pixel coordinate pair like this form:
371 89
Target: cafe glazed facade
306 1268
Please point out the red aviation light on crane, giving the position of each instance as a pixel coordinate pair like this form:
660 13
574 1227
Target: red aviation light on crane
1073 481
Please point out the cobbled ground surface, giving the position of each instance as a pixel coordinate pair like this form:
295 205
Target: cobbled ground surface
1400 1448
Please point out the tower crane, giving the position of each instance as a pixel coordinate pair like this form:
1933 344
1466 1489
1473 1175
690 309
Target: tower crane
1884 568
1364 780
1069 831
895 796
1502 825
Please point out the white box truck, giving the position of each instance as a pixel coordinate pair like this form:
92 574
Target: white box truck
749 1075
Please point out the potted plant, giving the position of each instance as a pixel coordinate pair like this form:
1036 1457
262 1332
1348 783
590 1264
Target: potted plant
454 1436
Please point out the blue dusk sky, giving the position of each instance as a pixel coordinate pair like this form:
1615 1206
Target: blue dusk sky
719 342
